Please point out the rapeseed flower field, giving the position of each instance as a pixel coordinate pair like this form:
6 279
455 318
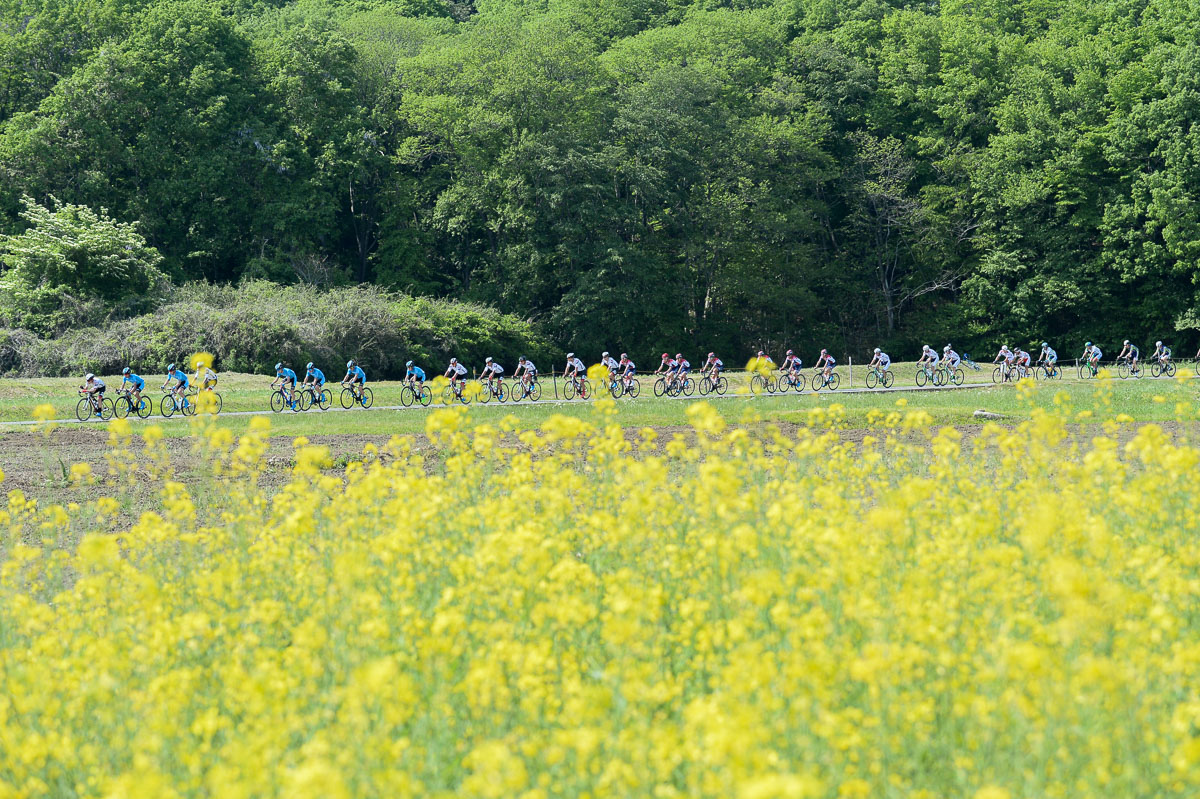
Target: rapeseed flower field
585 611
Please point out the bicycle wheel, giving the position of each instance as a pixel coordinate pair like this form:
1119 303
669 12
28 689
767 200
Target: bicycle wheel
407 395
167 406
616 389
569 389
535 391
278 401
326 399
1170 368
959 377
107 409
818 381
83 410
997 375
187 406
347 398
872 379
1155 369
585 389
922 378
1123 370
722 385
689 386
835 380
705 386
758 384
635 388
660 387
1085 371
888 378
305 400
448 396
216 402
367 397
122 407
485 392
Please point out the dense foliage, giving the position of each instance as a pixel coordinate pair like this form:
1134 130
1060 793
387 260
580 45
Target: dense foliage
642 172
253 325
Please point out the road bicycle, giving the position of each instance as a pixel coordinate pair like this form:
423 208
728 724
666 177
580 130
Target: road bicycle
1158 369
685 386
946 375
211 402
350 398
172 402
519 391
760 384
85 409
280 399
495 390
1047 371
125 405
926 374
880 377
577 387
1127 369
1004 374
792 381
710 386
618 389
1086 370
409 395
455 393
820 381
310 395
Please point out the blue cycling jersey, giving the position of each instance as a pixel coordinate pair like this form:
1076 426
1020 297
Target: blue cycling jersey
135 381
179 375
357 372
317 375
286 374
417 372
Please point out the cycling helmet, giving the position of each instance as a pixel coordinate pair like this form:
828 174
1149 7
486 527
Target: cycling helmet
125 371
822 352
1087 344
605 354
761 354
350 364
624 357
789 352
665 356
408 365
519 359
89 376
278 366
1126 344
570 355
199 364
877 350
489 359
454 360
712 355
309 367
946 348
171 368
1158 343
1045 345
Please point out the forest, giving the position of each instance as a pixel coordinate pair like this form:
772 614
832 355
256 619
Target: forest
615 174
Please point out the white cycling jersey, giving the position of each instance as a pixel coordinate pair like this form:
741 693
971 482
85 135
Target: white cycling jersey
683 364
493 368
458 369
1049 354
610 363
884 360
578 364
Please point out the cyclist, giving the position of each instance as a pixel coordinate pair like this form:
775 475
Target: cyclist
713 366
1131 352
574 371
458 376
1162 353
94 388
415 376
764 361
527 372
314 377
682 367
951 358
880 362
287 383
206 378
928 360
1005 357
491 373
628 370
181 384
1091 355
1049 357
609 363
135 383
791 365
666 366
825 364
356 377
1021 361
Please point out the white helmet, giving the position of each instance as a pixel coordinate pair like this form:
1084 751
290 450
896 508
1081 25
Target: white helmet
1126 344
487 359
946 348
454 360
89 376
926 347
876 350
604 354
570 355
1158 343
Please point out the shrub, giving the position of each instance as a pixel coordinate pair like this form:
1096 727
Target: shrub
251 326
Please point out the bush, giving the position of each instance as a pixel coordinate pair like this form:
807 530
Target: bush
251 326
